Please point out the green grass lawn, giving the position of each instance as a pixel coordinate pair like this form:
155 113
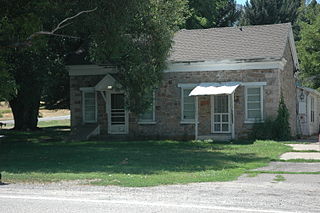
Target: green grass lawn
45 156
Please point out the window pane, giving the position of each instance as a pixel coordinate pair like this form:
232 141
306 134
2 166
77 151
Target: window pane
188 105
148 114
217 118
254 114
89 106
225 118
217 128
221 104
225 127
254 98
254 106
253 91
188 115
186 92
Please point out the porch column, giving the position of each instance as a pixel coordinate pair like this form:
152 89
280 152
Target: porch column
196 119
232 108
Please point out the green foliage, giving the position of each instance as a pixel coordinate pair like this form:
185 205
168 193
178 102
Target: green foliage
283 130
258 12
136 36
274 129
264 131
211 13
309 45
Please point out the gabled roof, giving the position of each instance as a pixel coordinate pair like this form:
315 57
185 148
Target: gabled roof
233 43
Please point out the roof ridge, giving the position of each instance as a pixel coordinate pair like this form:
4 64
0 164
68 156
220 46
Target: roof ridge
241 26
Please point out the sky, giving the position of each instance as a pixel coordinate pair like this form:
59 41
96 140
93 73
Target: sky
244 1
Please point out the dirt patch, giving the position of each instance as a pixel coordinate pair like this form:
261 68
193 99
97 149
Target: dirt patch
6 114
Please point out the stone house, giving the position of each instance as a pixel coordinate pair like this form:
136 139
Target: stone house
218 83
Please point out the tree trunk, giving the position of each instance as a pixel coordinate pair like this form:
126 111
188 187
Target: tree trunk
25 109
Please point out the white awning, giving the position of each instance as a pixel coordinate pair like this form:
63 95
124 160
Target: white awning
226 88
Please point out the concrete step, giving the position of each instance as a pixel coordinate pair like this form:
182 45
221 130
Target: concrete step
85 132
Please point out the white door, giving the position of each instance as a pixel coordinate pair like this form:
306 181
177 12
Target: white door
118 117
221 114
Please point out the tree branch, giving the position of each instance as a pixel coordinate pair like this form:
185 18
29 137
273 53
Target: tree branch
60 26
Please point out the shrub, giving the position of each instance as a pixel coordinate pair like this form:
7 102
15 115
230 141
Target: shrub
283 130
274 129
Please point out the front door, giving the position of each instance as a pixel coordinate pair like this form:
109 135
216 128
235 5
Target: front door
221 116
118 118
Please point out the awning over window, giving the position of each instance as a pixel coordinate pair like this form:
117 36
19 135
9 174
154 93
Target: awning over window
215 89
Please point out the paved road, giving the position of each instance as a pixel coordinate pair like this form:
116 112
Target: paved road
55 118
298 193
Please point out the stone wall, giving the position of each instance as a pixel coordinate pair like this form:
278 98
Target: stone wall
288 88
168 101
76 82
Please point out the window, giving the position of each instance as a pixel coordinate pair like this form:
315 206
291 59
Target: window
312 109
254 104
89 105
187 105
149 115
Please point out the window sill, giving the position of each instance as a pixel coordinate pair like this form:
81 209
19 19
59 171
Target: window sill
188 122
147 122
253 122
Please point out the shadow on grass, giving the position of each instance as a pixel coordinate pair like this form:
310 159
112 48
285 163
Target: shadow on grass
47 151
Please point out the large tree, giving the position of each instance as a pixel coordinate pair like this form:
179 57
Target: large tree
309 44
212 13
29 54
135 36
257 12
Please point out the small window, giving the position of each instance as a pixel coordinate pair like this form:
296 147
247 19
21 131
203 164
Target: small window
188 106
254 104
312 109
149 115
89 106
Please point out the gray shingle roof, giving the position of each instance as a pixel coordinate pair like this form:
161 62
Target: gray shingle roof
230 43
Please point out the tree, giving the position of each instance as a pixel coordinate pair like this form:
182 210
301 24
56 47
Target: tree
29 53
136 36
282 126
212 13
309 44
258 12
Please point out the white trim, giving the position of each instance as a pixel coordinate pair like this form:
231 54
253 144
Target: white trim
153 121
81 70
313 91
293 48
213 114
247 120
233 117
89 90
187 85
147 122
225 65
193 85
196 118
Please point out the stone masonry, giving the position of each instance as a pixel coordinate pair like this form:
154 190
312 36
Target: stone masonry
168 101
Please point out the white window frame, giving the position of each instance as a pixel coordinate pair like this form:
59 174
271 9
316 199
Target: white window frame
184 87
153 121
250 120
87 90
